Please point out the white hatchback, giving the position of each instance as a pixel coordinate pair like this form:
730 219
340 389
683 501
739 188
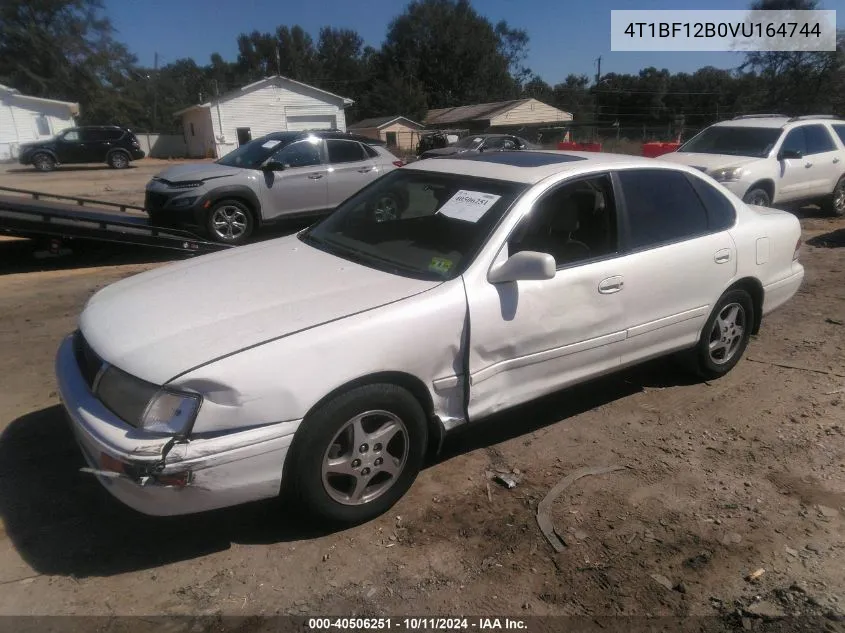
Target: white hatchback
330 361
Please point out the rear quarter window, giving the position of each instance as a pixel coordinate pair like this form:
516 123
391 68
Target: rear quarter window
721 214
840 132
370 151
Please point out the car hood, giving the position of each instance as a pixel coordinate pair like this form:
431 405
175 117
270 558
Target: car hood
164 322
707 162
197 171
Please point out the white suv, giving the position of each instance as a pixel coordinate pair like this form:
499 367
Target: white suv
770 159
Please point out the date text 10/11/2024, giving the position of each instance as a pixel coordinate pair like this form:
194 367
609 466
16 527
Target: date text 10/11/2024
416 624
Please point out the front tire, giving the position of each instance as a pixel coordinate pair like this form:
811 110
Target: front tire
118 160
42 161
230 222
758 196
835 205
725 335
358 454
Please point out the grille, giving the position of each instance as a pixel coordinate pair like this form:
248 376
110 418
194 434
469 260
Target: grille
89 362
155 201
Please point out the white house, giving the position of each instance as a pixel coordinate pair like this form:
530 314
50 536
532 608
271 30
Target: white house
274 104
25 119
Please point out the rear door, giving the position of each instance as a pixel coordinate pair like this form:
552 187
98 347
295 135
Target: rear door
825 158
350 169
301 187
680 258
94 145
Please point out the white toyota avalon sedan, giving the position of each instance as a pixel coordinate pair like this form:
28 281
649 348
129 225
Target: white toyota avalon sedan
328 362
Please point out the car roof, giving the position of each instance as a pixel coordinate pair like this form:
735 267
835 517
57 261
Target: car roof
774 121
325 134
527 166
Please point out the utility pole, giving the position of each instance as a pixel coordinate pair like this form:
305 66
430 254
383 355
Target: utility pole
598 72
598 79
155 92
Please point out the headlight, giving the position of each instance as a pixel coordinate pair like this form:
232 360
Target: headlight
183 202
728 174
147 406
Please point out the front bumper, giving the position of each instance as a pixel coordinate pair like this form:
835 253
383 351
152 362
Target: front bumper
158 205
223 470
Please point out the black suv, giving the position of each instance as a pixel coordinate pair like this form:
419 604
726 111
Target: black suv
109 144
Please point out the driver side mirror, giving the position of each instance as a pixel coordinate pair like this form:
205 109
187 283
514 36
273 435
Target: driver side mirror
523 266
273 166
789 153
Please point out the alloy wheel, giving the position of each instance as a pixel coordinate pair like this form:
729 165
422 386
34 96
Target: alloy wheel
229 223
727 333
839 198
365 458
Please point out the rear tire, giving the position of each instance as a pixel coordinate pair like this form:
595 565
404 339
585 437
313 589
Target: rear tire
835 204
348 467
42 161
758 196
118 160
725 335
230 222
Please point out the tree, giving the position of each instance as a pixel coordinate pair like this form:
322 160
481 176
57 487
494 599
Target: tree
456 55
65 49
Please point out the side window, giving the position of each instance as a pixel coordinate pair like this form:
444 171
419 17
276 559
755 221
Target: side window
299 154
93 135
795 141
573 223
71 137
662 207
818 139
497 142
370 151
345 151
721 214
114 135
840 132
509 143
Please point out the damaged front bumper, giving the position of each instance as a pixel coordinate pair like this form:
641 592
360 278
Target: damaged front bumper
159 476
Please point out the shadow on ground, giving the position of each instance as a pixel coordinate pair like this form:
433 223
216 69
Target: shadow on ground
62 168
64 522
834 239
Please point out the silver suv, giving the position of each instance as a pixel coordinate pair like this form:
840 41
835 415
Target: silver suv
281 175
769 159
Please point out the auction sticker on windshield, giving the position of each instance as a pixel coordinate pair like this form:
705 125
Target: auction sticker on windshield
469 206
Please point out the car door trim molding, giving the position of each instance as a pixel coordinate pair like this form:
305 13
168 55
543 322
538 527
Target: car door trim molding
546 355
672 319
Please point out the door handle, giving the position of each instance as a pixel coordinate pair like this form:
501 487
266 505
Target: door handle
611 285
808 165
835 160
722 256
315 176
366 170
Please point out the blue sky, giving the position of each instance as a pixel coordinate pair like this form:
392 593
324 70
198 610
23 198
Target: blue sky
566 35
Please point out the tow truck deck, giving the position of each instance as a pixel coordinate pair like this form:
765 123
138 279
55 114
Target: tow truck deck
27 214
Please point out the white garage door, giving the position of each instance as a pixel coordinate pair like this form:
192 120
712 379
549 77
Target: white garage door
312 122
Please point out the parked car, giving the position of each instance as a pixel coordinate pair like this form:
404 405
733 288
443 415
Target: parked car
480 143
278 176
328 362
115 146
772 159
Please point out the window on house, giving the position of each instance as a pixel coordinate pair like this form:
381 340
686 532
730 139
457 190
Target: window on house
43 125
390 138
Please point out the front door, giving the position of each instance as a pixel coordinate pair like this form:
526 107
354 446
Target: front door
299 188
69 147
350 169
794 173
530 338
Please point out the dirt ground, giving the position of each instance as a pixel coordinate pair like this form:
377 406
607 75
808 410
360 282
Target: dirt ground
721 479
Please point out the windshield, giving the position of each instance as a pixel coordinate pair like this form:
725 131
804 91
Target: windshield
251 155
469 142
736 141
417 224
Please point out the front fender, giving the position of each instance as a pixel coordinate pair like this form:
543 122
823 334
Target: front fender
240 192
421 336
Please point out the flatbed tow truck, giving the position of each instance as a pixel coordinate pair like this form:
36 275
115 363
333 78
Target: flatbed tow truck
45 216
